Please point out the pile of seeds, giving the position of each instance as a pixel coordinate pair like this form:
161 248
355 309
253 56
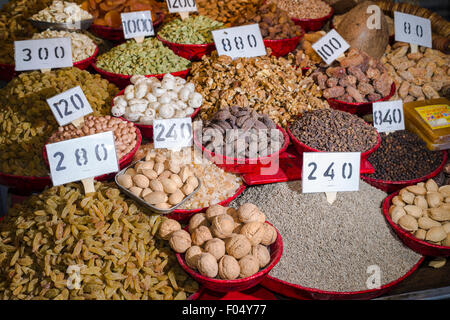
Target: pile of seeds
403 156
334 131
110 239
305 9
330 247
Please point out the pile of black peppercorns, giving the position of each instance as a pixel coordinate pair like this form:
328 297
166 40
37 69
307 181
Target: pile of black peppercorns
403 156
334 131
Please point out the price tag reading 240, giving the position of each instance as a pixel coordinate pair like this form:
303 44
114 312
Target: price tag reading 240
81 158
330 171
181 6
69 106
388 116
412 29
240 42
137 24
172 133
43 54
330 46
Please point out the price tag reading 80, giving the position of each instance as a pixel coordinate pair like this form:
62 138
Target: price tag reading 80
172 133
330 46
181 6
388 116
81 158
330 171
412 29
239 42
137 24
43 54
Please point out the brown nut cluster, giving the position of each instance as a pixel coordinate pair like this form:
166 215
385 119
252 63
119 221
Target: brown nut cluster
160 181
304 9
424 210
213 247
266 84
357 77
124 132
304 56
226 11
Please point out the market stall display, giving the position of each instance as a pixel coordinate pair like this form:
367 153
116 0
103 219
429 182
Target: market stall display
225 12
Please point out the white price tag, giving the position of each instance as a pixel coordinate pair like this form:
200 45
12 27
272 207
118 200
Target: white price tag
181 6
43 54
172 133
412 29
330 46
388 116
137 24
240 42
81 158
330 171
69 106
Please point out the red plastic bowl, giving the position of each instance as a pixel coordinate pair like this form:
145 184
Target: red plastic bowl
298 292
122 80
313 24
419 246
147 130
116 34
392 186
183 215
84 64
276 249
193 52
360 108
243 165
24 185
282 47
366 167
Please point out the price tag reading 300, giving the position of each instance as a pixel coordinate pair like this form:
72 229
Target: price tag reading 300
240 42
137 24
330 46
43 54
172 133
412 29
69 106
181 6
330 171
388 116
81 158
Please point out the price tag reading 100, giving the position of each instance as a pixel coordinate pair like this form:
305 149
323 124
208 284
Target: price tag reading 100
330 46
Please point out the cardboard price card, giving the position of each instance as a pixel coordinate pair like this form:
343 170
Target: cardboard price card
175 6
330 46
412 29
388 116
172 133
137 24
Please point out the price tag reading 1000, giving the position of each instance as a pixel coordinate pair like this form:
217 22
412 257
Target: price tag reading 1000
137 24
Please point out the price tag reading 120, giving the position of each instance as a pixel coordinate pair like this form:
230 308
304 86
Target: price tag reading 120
388 116
181 6
69 106
239 42
81 158
330 171
43 54
412 29
172 133
137 24
330 46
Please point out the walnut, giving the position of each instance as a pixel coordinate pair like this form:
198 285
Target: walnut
238 246
167 227
248 212
229 268
249 266
222 226
192 255
270 235
201 235
207 265
198 220
215 210
180 241
216 247
254 231
262 254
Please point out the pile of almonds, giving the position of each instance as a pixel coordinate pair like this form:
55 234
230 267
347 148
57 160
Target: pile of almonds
223 242
424 210
161 182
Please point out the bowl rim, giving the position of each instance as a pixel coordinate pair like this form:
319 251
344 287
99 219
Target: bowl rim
361 104
260 273
326 17
186 45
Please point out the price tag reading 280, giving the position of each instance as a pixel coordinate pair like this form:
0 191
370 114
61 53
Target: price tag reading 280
43 54
172 133
81 158
181 6
239 42
412 29
137 24
330 46
330 171
388 116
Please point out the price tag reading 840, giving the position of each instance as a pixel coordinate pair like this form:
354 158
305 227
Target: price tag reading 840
172 133
137 24
330 46
240 42
69 105
412 29
43 54
181 5
81 158
330 171
388 116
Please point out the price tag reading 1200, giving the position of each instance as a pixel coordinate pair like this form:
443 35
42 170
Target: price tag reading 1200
69 106
172 133
239 42
137 24
181 6
388 116
330 46
412 29
43 54
330 171
81 158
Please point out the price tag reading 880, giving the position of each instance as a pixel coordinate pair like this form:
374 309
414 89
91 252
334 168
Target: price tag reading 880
81 158
43 54
388 116
172 133
137 24
181 6
239 42
412 29
330 171
330 46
